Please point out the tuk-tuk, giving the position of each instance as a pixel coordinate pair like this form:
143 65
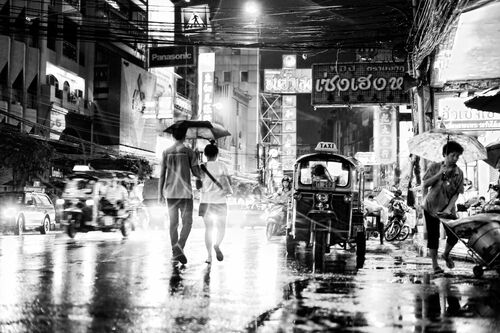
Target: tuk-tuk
84 204
327 204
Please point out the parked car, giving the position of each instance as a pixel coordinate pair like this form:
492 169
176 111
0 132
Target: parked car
27 209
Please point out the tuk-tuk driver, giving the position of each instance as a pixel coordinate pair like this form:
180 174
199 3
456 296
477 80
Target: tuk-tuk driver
319 172
116 193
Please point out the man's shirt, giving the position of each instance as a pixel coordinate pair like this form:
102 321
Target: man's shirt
440 194
178 161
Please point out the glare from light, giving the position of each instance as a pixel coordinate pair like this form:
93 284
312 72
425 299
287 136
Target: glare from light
252 8
60 202
10 212
89 202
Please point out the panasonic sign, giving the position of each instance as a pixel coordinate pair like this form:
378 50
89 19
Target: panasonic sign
171 56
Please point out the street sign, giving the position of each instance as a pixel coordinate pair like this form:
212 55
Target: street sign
171 56
195 18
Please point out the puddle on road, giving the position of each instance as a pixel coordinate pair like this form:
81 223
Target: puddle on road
389 294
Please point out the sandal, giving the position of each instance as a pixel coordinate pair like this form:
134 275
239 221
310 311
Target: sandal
218 253
438 270
449 262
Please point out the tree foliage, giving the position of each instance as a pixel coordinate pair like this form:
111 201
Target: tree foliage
140 166
26 155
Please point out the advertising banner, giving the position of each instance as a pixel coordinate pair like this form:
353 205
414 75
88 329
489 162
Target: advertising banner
170 56
137 90
358 83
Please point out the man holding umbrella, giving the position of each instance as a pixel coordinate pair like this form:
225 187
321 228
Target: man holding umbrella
177 164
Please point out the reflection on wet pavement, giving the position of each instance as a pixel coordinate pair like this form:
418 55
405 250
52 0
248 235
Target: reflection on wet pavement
393 293
102 283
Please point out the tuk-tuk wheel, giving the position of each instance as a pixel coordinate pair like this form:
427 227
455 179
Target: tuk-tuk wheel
478 271
19 226
45 228
360 249
291 245
71 230
320 250
125 227
270 230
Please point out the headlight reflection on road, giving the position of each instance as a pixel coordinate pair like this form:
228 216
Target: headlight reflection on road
9 266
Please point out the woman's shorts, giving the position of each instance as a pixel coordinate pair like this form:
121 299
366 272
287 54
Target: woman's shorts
213 208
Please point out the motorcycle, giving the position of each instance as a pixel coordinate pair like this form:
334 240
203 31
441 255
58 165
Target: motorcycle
274 215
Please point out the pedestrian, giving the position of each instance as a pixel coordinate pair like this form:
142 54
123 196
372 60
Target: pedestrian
444 182
213 201
177 164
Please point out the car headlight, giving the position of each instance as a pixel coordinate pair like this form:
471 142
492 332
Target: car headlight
60 202
89 202
9 212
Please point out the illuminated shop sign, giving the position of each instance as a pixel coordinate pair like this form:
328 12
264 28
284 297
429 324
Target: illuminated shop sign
288 81
358 83
207 95
171 56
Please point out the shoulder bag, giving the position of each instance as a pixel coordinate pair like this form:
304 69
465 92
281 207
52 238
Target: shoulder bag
204 169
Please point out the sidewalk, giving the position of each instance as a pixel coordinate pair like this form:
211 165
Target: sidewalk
459 252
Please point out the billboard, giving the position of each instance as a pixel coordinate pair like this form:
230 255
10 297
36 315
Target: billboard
358 83
137 90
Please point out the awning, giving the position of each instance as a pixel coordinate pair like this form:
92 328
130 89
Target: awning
488 100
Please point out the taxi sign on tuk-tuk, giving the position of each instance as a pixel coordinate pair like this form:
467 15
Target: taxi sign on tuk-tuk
327 147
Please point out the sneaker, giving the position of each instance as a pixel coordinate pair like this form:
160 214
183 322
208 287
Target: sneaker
178 254
449 262
218 253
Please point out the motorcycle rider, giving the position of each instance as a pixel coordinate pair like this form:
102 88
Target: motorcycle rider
284 196
397 207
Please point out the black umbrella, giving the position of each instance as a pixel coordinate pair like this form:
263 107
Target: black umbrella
488 100
200 129
493 151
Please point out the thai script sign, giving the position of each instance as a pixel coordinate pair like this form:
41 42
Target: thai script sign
455 115
170 56
288 81
358 83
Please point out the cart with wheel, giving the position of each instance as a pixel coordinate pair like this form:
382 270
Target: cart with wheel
481 235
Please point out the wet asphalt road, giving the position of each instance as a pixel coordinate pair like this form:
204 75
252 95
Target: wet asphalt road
100 282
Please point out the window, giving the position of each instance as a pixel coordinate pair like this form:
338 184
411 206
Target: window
44 199
331 173
227 76
244 76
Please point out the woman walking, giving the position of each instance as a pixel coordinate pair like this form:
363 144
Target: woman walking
213 204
